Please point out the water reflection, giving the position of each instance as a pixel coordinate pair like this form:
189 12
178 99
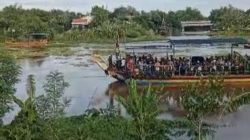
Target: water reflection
168 100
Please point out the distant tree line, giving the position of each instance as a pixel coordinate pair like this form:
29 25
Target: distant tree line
18 22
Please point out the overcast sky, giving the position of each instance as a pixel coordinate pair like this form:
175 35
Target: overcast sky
84 6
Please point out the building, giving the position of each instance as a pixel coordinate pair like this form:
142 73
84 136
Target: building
196 27
81 22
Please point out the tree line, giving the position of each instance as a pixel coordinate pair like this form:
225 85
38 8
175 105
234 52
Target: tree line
18 22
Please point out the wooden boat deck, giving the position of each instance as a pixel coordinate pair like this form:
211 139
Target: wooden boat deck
100 61
176 81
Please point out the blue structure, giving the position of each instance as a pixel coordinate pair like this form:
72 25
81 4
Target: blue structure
197 40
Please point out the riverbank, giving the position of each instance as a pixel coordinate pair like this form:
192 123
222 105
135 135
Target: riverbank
20 53
64 48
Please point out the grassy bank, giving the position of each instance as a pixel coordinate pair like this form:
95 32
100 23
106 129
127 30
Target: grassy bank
20 53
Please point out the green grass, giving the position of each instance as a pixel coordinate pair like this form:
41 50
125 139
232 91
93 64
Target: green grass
20 53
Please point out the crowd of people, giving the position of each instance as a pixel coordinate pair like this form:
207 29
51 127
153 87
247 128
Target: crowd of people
149 66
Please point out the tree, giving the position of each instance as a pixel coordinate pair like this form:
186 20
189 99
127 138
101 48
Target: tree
52 104
9 72
205 98
143 107
228 18
26 125
248 18
124 13
189 14
100 15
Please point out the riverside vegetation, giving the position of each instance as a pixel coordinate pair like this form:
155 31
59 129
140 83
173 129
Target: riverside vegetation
129 23
43 117
16 22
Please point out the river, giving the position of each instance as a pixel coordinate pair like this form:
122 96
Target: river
90 87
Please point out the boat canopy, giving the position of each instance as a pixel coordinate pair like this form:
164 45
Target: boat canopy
38 35
185 40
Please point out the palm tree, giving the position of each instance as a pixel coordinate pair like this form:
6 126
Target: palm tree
25 125
143 107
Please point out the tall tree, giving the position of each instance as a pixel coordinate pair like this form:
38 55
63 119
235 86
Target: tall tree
189 14
205 98
143 107
228 18
52 104
100 15
9 72
124 13
26 125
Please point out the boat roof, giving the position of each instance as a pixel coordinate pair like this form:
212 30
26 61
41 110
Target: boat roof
148 46
38 34
182 40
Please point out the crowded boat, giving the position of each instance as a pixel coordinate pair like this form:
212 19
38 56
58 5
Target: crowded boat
149 66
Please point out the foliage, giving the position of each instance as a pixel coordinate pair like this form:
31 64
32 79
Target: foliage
18 22
209 97
202 99
26 124
143 108
52 104
107 31
229 19
100 15
199 99
9 72
124 13
98 127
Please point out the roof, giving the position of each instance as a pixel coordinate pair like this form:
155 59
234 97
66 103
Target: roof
206 40
188 37
38 34
82 20
151 45
196 23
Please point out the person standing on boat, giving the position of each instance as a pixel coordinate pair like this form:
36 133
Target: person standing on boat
130 66
157 68
110 61
214 68
199 68
171 66
123 63
119 63
113 59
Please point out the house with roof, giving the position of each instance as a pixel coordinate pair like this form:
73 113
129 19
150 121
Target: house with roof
81 22
196 27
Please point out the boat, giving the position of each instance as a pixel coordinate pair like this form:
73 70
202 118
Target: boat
247 46
173 82
231 78
33 40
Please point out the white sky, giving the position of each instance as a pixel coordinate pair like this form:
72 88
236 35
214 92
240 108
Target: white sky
84 6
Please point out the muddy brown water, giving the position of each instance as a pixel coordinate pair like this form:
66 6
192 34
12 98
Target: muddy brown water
90 87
